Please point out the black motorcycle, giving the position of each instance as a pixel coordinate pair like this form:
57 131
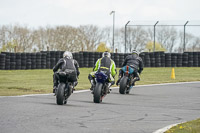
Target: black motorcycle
65 88
101 88
126 82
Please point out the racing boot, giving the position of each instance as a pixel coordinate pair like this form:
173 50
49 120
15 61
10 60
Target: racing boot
92 86
119 78
54 89
128 90
134 80
74 85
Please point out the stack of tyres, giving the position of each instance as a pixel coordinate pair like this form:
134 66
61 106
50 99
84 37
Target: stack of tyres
76 57
152 59
142 56
168 60
185 60
157 59
18 61
23 61
86 59
147 61
198 59
116 59
91 59
190 59
52 59
7 61
38 60
98 55
112 56
173 59
2 61
81 59
57 55
33 60
195 59
28 61
179 59
12 61
121 59
43 60
162 56
61 54
48 60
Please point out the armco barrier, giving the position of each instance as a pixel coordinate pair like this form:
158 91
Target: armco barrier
48 59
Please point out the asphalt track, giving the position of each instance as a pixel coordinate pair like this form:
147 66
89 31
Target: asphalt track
145 110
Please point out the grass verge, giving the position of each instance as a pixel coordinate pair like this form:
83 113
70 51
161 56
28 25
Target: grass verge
188 127
20 82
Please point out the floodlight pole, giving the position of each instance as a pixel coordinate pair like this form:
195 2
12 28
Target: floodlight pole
154 43
184 36
113 43
125 35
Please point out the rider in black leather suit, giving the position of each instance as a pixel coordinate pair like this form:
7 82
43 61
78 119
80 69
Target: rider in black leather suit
133 60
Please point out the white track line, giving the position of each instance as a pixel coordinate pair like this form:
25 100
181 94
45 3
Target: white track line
80 91
162 130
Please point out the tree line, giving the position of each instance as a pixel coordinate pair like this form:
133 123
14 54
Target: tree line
17 38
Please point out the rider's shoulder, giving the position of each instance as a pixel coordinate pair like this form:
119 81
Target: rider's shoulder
61 60
139 58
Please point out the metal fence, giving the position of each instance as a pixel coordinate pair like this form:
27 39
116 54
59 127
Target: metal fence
186 27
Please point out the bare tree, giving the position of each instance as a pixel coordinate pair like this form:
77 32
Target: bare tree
89 37
137 38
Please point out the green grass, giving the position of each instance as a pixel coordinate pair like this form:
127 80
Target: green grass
188 127
20 82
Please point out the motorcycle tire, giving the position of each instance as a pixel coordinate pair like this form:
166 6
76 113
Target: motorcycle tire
97 93
123 85
60 96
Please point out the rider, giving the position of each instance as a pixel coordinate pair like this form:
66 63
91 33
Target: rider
64 64
105 64
134 61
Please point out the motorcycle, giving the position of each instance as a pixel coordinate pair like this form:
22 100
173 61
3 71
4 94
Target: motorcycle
65 88
126 82
102 86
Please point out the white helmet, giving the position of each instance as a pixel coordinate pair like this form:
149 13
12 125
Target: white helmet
107 54
68 55
135 52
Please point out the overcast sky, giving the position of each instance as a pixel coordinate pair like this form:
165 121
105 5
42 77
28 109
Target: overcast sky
34 13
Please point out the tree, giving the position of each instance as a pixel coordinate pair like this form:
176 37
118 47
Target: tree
150 46
167 36
136 38
89 36
102 48
9 47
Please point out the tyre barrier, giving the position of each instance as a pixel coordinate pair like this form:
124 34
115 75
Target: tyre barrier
48 59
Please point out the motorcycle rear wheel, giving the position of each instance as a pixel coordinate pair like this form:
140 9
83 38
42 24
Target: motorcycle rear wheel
123 85
60 96
97 93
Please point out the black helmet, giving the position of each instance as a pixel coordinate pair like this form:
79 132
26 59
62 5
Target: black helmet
107 54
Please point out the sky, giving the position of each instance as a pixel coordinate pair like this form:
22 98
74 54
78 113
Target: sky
36 13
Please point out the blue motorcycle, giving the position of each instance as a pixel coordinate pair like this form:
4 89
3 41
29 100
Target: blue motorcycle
126 82
101 88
